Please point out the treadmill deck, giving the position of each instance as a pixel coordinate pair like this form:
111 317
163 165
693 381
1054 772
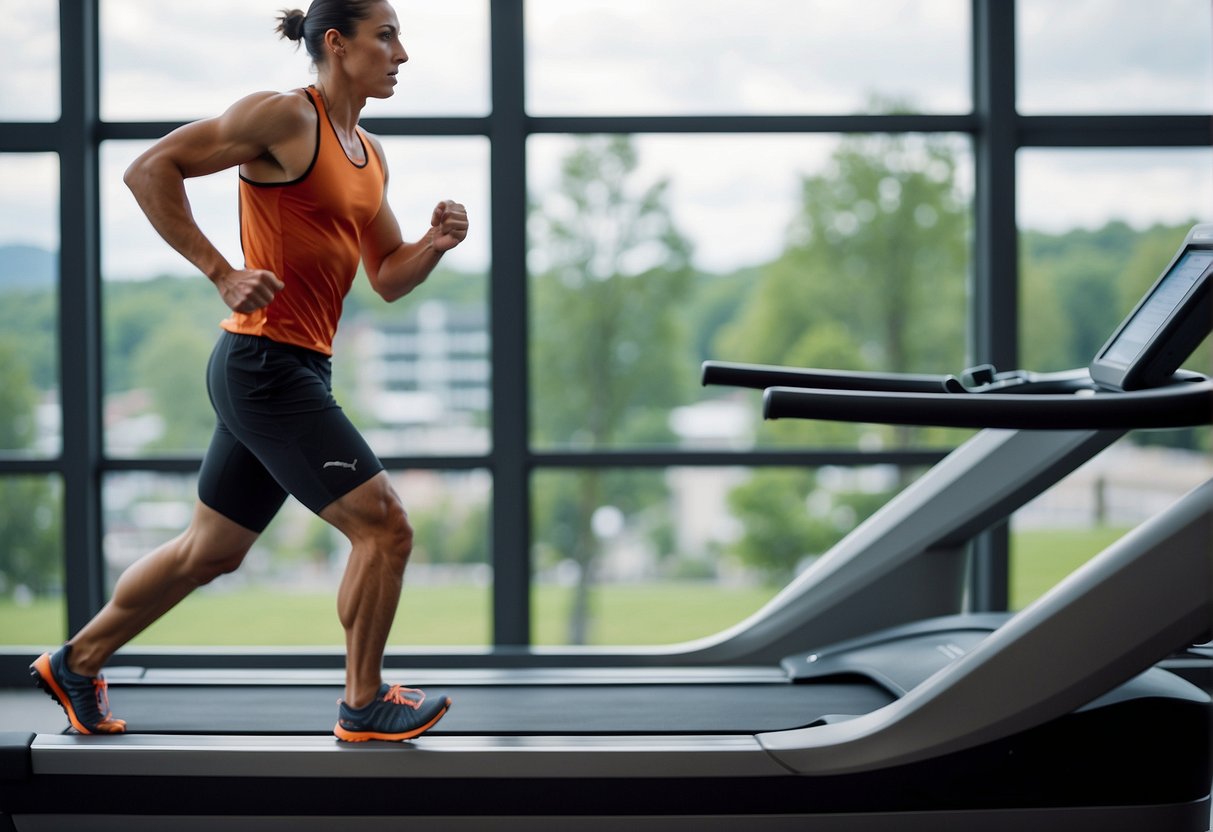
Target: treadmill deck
740 708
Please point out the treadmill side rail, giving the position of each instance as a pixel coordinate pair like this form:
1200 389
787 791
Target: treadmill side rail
146 755
1120 613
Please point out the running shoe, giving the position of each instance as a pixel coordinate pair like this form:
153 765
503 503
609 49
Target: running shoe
85 699
396 713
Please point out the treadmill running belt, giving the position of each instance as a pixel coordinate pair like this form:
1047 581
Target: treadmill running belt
503 709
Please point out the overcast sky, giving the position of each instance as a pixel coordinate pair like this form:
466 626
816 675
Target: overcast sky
171 60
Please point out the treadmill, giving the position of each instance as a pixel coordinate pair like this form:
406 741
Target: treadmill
862 697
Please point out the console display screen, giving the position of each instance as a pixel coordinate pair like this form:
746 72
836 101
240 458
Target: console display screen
1151 316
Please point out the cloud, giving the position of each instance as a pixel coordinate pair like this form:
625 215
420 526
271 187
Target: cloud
1119 56
732 195
131 248
183 61
1069 188
717 56
29 63
29 199
427 170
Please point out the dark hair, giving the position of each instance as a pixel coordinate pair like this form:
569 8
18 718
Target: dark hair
322 15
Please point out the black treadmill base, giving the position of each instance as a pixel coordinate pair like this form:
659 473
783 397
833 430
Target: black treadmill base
1133 753
1191 817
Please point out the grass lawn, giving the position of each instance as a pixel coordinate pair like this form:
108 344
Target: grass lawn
1039 559
429 616
460 615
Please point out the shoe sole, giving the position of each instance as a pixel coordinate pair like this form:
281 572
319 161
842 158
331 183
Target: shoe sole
44 677
346 735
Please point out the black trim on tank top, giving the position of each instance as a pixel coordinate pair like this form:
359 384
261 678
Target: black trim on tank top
366 154
311 165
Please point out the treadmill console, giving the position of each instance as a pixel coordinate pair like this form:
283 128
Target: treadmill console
1166 325
1134 382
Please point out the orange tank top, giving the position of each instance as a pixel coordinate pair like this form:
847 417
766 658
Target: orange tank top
308 233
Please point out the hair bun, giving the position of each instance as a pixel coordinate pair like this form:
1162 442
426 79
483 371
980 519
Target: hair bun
290 24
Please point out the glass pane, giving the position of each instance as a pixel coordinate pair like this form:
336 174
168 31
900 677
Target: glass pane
1097 227
166 61
649 254
160 317
1095 506
131 250
418 370
1114 56
663 556
32 606
678 57
285 592
29 64
30 416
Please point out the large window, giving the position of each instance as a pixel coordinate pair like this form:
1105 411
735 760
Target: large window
896 185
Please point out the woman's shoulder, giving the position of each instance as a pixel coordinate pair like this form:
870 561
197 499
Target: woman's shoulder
292 104
270 116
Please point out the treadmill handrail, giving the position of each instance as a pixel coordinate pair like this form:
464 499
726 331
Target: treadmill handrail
1182 404
762 376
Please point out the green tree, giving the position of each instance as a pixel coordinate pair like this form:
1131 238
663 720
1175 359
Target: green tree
607 344
29 318
873 278
17 397
30 530
452 532
1077 287
171 364
134 311
878 247
1071 299
789 520
31 536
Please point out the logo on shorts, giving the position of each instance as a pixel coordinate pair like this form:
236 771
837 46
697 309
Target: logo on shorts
353 466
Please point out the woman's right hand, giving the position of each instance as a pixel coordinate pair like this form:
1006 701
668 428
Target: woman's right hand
247 290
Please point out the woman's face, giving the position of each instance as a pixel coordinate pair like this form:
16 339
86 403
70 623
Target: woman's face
374 54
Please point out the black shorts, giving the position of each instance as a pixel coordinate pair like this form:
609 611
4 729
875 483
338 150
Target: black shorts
279 432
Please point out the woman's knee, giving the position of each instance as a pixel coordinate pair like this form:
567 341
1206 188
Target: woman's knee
373 516
397 531
213 546
204 564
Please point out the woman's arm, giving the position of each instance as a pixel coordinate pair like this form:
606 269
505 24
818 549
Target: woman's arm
395 267
254 129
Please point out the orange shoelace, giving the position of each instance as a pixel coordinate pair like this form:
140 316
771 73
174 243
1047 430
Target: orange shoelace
108 722
101 689
396 695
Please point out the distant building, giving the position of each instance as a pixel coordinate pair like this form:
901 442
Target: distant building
424 380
